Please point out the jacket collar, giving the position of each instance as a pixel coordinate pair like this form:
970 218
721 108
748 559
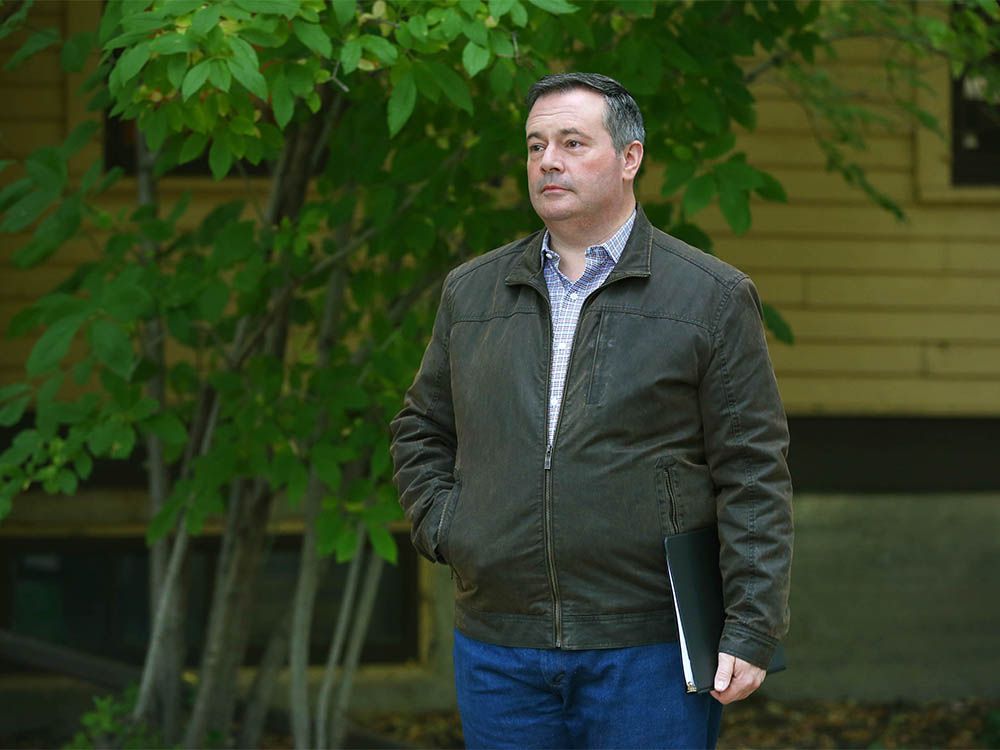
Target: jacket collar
634 260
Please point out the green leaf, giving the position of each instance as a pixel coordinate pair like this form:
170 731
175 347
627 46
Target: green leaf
346 544
719 146
705 112
249 77
127 301
737 174
417 26
698 194
53 345
476 31
345 10
167 427
213 300
500 8
132 61
350 55
518 14
206 19
82 135
776 324
475 58
401 102
83 464
12 411
313 36
770 189
282 101
76 50
35 43
678 173
220 159
382 542
287 8
326 464
50 235
166 518
173 43
47 167
452 85
381 47
501 81
13 390
735 205
195 79
556 7
177 68
193 147
219 75
112 347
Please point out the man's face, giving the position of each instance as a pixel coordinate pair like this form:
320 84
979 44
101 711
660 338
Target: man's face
573 170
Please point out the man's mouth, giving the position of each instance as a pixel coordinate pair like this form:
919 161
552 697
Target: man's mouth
549 188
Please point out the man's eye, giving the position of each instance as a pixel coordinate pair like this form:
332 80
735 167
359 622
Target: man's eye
535 147
572 144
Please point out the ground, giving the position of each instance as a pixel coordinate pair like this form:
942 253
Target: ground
762 723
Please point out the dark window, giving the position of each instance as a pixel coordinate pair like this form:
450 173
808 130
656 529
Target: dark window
91 595
894 454
975 135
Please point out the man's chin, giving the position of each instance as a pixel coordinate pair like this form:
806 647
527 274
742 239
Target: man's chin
550 208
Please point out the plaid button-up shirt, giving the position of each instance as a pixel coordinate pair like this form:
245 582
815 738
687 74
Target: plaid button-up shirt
567 297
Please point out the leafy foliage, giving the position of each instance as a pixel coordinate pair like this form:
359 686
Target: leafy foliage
421 107
421 110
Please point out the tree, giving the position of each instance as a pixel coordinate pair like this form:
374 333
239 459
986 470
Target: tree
390 133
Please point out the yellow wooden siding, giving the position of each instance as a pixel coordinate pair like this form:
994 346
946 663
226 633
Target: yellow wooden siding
889 317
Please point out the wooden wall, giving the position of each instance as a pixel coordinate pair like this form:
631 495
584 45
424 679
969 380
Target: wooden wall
890 318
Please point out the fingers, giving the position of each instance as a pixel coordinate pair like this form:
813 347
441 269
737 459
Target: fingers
735 679
724 673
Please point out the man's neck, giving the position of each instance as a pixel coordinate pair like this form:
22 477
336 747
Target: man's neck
574 237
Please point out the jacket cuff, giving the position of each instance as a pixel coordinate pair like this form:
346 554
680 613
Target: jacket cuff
749 645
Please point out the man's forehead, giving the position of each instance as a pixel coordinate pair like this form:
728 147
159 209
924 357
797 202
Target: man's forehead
581 109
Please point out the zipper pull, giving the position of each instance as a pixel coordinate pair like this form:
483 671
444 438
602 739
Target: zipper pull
548 456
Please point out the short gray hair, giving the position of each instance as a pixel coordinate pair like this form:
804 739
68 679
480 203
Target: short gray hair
622 118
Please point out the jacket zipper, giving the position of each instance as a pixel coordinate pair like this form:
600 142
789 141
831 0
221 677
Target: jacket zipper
550 555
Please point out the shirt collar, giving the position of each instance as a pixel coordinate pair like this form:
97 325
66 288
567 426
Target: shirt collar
614 245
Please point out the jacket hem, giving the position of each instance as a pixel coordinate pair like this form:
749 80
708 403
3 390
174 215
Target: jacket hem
581 632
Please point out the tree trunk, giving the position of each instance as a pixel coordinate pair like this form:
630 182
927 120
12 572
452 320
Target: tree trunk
337 642
168 677
363 614
259 699
308 579
222 656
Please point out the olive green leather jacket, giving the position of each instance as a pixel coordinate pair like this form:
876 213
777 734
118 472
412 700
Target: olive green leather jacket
670 420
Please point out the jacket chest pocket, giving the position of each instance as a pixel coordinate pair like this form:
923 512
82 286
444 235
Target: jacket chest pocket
636 361
686 495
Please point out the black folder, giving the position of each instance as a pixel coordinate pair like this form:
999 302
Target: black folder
693 565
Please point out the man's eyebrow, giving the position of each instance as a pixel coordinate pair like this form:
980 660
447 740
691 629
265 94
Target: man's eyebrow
563 131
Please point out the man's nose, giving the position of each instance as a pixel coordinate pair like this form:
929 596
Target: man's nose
550 160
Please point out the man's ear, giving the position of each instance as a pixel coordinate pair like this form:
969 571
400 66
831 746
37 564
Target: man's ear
632 158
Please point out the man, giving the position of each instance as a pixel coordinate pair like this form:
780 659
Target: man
586 391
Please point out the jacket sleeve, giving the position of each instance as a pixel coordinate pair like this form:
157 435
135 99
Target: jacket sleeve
423 443
746 443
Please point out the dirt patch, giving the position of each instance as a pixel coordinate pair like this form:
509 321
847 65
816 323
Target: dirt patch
762 723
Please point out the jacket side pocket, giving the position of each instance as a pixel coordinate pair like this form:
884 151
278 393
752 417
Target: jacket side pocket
444 524
667 496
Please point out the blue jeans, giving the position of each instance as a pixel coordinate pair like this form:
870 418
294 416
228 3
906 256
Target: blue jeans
600 698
